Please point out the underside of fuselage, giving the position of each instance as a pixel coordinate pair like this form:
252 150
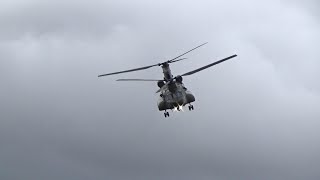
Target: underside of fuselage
173 100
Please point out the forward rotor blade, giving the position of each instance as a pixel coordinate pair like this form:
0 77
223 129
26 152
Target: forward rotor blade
139 80
209 65
173 60
136 69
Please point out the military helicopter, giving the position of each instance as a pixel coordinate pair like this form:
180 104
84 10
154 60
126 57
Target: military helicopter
173 94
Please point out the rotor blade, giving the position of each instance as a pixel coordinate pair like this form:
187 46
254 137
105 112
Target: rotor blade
164 86
139 80
160 89
136 69
147 67
172 60
209 65
178 60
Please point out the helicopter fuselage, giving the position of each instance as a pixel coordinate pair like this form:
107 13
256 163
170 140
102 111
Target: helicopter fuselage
173 94
169 99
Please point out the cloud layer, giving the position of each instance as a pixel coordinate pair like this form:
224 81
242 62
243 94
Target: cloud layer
256 116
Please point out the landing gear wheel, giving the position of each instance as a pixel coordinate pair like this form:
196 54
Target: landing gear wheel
191 107
166 114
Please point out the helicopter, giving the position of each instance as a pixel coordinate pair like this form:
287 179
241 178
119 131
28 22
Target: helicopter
173 94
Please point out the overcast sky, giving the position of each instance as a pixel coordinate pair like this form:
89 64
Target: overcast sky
256 116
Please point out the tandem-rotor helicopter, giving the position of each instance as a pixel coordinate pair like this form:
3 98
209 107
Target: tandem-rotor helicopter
173 94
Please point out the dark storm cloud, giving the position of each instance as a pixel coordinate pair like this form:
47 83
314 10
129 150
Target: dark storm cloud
256 116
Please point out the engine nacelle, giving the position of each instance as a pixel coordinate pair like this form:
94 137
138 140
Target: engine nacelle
179 79
160 84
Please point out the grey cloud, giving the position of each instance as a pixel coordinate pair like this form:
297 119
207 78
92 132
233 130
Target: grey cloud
256 116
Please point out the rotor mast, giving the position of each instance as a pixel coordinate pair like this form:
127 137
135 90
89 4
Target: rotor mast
166 71
166 67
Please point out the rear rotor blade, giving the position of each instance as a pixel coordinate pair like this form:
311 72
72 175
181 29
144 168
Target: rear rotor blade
209 65
173 60
131 70
139 80
178 60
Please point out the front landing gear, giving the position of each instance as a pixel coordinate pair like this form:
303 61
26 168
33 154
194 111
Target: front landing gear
191 107
166 114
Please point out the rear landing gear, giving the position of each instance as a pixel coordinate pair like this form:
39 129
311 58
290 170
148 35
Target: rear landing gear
166 114
191 107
